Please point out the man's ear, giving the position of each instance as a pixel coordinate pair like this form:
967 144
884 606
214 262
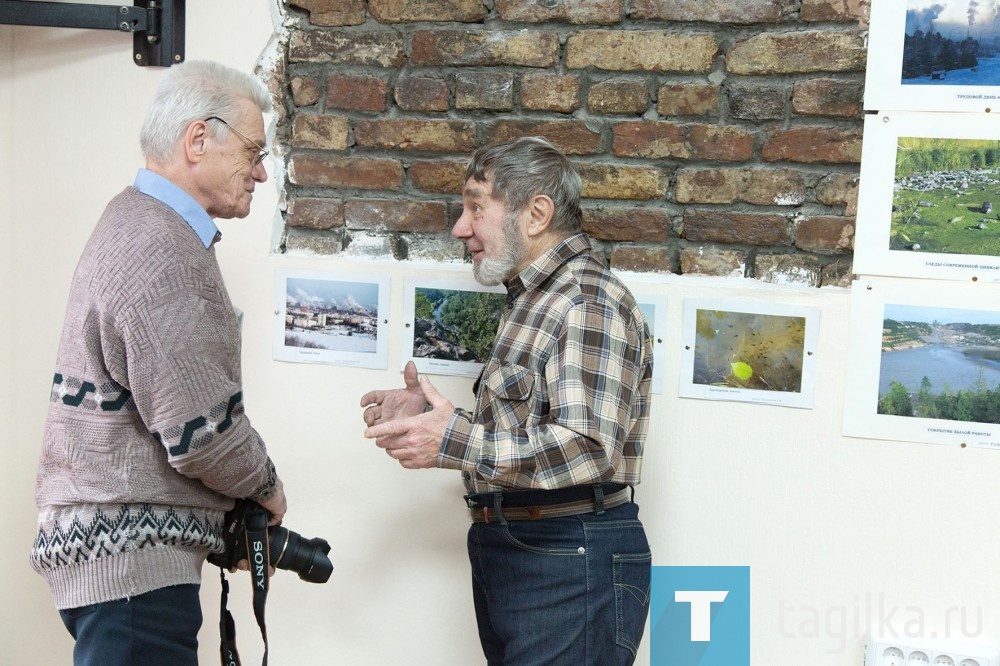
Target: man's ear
195 141
540 212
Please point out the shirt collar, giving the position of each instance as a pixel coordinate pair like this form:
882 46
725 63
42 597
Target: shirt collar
158 187
535 275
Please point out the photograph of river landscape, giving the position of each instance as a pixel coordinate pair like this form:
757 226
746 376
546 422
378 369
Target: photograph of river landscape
940 363
455 325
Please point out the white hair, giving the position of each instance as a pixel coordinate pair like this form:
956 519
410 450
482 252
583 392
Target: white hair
195 90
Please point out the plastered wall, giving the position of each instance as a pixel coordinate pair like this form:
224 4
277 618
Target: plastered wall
839 533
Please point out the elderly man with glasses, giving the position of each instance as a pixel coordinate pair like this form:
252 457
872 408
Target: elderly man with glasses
146 443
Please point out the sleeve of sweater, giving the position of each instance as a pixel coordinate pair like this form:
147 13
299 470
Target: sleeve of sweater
182 344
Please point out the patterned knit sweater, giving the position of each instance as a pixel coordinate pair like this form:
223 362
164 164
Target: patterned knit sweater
146 442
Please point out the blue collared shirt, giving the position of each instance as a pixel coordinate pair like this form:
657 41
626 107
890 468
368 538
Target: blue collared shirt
183 204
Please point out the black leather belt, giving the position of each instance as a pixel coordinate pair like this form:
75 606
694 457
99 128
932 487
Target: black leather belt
506 505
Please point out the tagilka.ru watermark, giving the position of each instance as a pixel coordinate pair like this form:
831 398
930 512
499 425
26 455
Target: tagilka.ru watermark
839 624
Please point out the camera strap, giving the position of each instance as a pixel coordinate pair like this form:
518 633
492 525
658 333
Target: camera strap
257 556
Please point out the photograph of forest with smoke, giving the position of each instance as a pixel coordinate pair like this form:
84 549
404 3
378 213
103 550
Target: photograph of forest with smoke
951 43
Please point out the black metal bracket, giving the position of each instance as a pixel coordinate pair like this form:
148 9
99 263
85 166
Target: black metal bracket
157 26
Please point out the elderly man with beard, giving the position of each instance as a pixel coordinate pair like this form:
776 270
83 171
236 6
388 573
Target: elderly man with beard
553 447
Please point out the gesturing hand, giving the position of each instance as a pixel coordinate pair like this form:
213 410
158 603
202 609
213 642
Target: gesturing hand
385 406
415 441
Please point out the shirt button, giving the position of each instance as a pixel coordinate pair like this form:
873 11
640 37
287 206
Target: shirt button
581 550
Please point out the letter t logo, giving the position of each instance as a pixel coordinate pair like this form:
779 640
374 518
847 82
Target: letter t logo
701 610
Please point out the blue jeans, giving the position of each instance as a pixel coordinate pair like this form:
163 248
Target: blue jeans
571 590
159 628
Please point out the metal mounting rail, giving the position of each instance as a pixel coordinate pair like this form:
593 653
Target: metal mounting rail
157 26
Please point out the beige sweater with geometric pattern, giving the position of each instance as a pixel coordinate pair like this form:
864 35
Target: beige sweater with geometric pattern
146 442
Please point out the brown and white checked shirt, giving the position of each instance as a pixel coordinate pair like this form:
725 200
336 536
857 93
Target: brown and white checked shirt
564 398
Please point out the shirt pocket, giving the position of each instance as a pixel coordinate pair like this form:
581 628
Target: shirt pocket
510 389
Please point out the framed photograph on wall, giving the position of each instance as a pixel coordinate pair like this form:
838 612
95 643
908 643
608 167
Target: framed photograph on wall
749 352
327 317
450 324
655 309
924 363
929 197
933 55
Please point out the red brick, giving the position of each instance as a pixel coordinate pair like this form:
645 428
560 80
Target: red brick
787 269
621 181
347 48
394 11
761 187
550 92
591 12
825 233
846 11
757 103
734 228
798 52
444 176
420 93
333 12
315 213
485 48
687 99
453 136
837 273
357 93
487 91
395 215
618 97
827 97
713 261
813 145
655 139
839 189
367 173
649 225
740 12
320 131
572 137
643 259
642 50
305 90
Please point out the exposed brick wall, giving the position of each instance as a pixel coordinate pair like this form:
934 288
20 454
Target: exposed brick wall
714 137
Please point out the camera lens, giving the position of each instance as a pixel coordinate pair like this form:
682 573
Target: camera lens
306 557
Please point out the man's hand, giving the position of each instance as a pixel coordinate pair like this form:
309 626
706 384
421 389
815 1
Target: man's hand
276 504
415 441
385 406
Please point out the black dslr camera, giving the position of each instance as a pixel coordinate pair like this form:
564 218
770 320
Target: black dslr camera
285 549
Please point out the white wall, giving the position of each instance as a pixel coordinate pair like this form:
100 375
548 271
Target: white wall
838 532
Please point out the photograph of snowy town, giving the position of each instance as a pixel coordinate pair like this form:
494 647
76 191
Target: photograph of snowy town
940 363
951 43
331 314
944 194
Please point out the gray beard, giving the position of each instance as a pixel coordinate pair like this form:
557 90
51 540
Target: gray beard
491 272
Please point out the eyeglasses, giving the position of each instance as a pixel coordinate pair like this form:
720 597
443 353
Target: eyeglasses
260 156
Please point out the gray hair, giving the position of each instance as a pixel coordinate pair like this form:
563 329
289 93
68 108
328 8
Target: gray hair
525 167
195 90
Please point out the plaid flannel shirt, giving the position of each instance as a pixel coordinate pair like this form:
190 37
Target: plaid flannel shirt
564 398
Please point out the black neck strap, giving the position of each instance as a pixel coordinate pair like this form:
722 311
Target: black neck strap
257 556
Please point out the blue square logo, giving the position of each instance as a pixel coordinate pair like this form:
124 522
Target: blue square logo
700 616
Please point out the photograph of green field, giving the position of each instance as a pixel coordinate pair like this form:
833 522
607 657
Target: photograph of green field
944 196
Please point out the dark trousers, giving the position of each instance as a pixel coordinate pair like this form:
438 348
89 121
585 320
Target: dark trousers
159 628
571 591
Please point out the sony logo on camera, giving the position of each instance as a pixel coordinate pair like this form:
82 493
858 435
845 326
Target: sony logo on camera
285 550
